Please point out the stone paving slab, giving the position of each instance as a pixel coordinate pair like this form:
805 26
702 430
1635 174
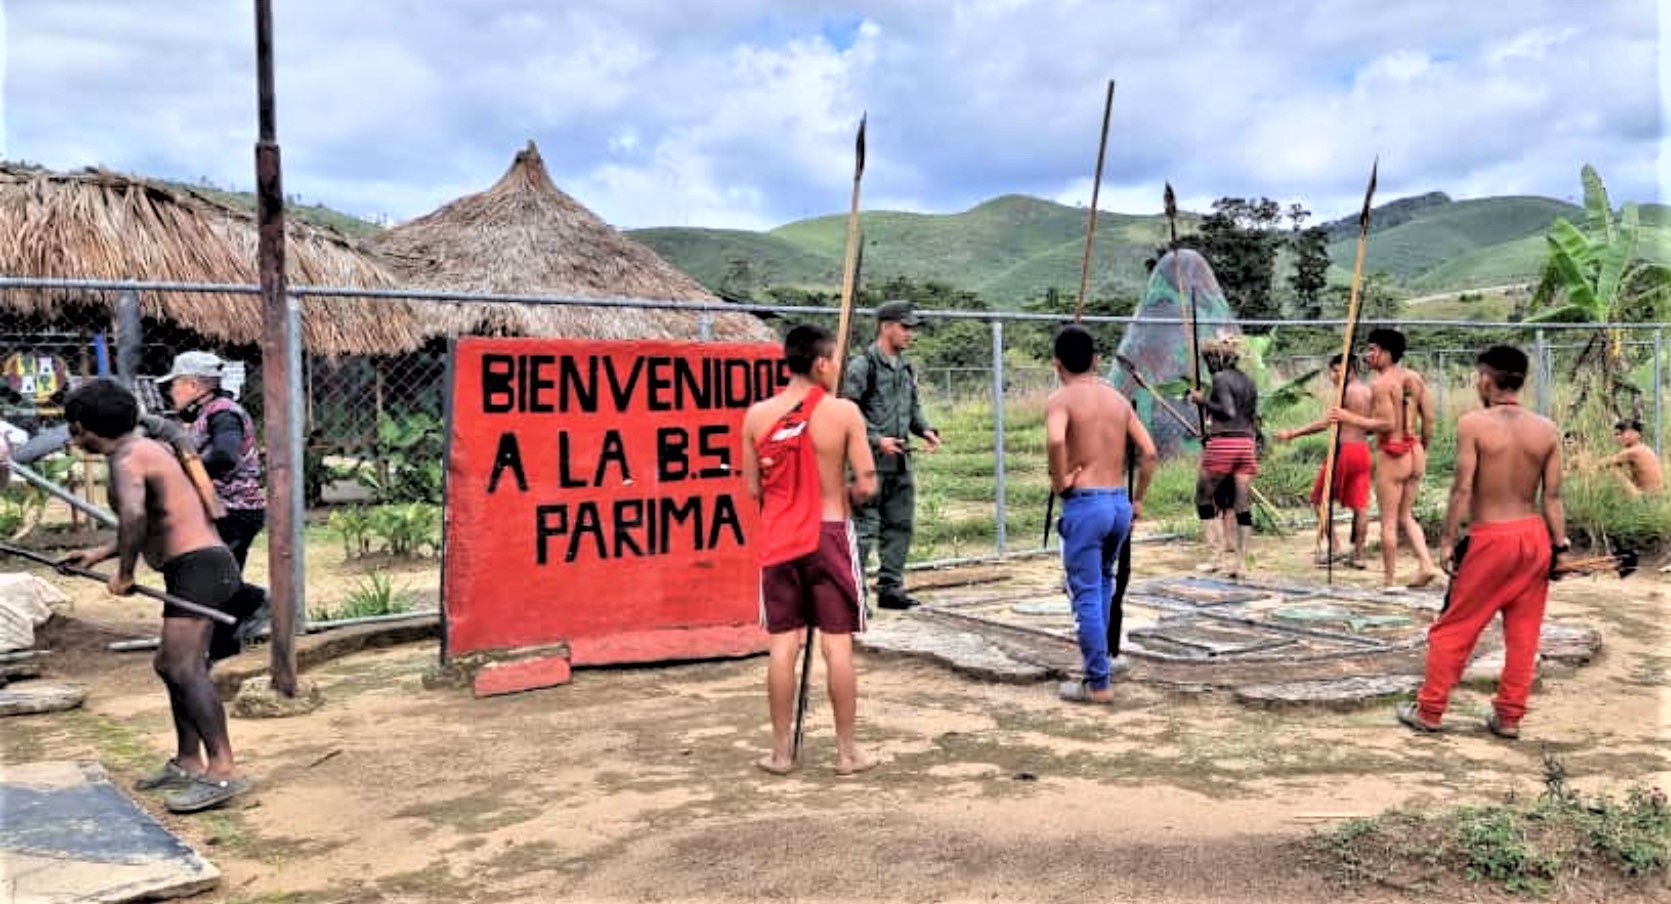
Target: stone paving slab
966 651
30 697
69 835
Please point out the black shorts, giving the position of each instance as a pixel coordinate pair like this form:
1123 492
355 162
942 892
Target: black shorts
208 577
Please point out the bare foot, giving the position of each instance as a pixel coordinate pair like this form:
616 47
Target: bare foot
849 766
771 763
1423 579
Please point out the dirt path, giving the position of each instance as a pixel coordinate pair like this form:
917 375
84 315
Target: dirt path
636 784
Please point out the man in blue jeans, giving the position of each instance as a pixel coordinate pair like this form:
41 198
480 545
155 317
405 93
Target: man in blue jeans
1087 425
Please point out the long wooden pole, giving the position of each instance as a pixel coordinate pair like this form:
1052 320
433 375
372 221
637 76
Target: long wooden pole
1186 304
849 273
287 591
1085 260
1352 306
1096 190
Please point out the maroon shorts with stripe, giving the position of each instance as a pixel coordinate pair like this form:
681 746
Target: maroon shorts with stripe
1237 455
821 587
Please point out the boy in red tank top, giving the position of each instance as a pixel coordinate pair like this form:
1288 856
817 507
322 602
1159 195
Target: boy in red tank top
798 446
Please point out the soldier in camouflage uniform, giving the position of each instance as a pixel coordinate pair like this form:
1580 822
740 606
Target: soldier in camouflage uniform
883 385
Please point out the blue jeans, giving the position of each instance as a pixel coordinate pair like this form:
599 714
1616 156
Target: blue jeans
1094 525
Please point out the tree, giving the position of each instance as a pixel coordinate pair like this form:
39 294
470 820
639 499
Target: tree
1311 272
1240 238
1594 275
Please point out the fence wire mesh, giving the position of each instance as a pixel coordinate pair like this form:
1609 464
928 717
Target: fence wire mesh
373 468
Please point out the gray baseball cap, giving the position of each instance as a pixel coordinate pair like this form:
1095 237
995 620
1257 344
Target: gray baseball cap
195 364
899 309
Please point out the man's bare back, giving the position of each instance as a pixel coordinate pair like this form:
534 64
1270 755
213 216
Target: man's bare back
1399 402
1359 401
838 439
1095 421
1508 453
144 472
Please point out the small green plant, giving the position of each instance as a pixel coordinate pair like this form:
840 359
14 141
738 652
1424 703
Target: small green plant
408 529
353 526
1493 844
377 595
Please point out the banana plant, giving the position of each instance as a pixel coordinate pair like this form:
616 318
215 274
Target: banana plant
1595 274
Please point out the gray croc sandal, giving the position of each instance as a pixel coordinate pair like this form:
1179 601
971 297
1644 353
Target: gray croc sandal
205 793
172 775
1495 725
1409 715
1077 692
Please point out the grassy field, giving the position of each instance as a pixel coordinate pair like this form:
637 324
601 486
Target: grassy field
956 487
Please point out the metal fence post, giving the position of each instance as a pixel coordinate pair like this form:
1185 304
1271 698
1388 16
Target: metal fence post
1439 379
1544 371
705 326
1659 390
295 431
1002 536
128 337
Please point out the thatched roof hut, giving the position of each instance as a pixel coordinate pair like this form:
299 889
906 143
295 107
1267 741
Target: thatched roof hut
96 224
524 236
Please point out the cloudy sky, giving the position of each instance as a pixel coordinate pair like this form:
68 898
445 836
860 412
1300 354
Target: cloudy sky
740 112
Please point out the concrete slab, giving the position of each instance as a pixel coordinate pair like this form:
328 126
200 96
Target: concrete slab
966 651
71 836
29 697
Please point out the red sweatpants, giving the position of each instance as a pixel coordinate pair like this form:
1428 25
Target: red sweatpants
1506 569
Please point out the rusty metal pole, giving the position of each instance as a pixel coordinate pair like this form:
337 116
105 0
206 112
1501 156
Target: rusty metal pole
278 347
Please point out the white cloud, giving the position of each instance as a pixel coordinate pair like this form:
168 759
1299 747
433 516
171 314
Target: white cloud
740 112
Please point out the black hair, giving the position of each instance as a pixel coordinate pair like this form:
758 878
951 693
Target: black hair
806 343
1075 348
1505 365
1388 340
103 407
1351 365
1627 424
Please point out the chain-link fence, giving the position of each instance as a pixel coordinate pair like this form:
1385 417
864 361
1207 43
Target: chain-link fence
373 421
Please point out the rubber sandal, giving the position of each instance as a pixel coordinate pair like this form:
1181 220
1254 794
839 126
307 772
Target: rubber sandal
205 793
172 775
1409 716
1077 692
1494 724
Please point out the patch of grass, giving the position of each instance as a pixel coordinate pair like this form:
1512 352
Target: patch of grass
377 595
1523 847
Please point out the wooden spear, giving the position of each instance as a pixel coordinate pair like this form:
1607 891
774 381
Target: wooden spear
1085 259
1352 307
849 270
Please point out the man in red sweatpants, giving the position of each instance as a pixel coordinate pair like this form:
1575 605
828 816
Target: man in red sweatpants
1504 456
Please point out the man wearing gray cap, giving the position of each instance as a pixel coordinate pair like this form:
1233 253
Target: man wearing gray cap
884 386
224 436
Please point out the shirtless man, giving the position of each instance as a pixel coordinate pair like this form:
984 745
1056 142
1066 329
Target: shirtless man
1230 453
798 446
161 518
1398 400
1642 472
1352 469
1087 423
1504 456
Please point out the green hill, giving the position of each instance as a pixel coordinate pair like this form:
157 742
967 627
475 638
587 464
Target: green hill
716 257
1442 234
1012 248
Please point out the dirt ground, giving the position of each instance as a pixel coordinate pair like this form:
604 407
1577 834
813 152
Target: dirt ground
638 784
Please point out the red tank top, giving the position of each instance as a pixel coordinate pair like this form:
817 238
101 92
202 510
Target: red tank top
791 499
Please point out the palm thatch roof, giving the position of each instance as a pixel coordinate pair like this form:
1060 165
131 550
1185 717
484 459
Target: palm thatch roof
96 224
525 236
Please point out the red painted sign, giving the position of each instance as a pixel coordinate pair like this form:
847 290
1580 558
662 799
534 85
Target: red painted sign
595 498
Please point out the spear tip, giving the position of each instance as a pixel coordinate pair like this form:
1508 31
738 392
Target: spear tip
1171 201
1369 194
